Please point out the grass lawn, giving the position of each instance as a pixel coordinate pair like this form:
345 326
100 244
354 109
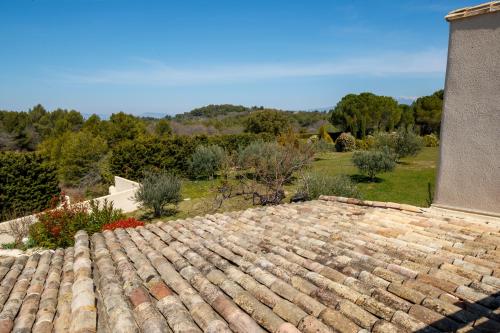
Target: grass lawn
406 184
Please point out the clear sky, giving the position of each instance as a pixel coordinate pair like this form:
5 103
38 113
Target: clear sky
171 56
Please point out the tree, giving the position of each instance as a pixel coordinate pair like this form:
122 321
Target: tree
428 111
27 183
323 135
76 155
122 126
372 162
267 121
206 161
163 128
157 190
268 167
407 120
366 113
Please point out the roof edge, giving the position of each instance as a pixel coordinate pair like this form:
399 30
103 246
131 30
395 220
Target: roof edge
484 8
369 203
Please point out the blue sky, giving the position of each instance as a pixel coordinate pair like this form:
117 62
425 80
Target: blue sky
171 56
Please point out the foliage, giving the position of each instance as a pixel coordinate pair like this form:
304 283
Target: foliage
267 121
25 130
206 161
345 142
324 136
122 126
428 111
313 185
157 190
407 120
76 155
372 162
431 140
163 128
27 183
131 159
125 223
402 143
407 144
211 110
361 144
366 113
57 226
269 166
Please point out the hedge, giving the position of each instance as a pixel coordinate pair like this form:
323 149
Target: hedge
27 183
132 159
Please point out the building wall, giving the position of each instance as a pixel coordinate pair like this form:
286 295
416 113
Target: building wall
469 171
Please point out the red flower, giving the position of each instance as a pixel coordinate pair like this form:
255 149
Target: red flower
127 223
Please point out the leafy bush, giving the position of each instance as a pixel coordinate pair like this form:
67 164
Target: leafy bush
313 185
372 162
132 159
402 143
345 142
431 140
361 144
126 223
56 227
267 121
157 190
324 136
206 161
407 144
27 183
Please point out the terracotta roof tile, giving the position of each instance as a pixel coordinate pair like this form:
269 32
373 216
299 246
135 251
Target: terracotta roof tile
331 265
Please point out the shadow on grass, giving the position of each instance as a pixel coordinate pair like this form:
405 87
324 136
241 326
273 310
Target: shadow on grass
365 179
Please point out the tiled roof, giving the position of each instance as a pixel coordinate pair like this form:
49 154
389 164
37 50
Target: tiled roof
485 8
331 265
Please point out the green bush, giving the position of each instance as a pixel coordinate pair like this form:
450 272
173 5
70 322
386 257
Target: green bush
267 121
27 183
345 142
361 144
403 143
313 185
132 159
157 190
431 140
206 161
57 226
407 144
372 162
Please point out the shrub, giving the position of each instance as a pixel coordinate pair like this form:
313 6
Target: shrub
345 142
407 144
56 227
206 161
361 144
431 140
403 143
126 223
27 183
157 190
269 166
324 136
323 146
373 162
313 185
267 121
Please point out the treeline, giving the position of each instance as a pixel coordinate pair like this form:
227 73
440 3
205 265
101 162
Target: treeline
368 113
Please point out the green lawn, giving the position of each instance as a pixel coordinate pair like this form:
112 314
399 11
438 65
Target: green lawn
406 184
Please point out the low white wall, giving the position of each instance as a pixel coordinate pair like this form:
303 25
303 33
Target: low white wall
121 195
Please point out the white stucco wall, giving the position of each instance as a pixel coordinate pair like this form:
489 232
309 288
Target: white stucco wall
469 171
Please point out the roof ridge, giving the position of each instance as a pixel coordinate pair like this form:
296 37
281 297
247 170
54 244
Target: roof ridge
369 203
484 8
